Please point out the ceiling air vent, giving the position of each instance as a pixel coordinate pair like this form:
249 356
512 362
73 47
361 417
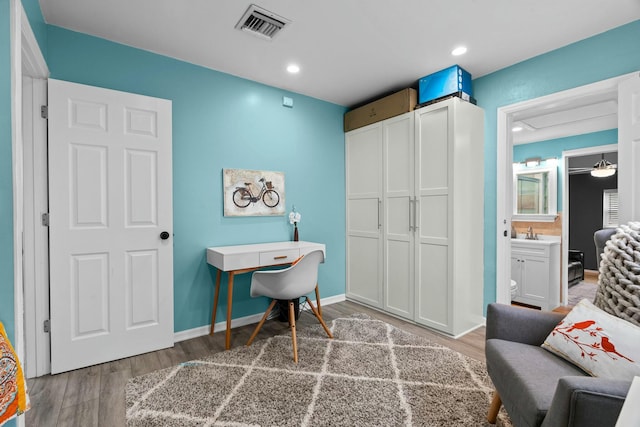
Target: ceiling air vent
261 22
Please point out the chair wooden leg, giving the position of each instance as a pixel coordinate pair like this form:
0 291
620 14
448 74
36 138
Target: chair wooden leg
496 403
292 321
319 317
318 300
257 329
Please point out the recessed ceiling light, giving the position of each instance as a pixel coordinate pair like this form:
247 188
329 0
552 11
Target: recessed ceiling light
460 50
516 129
293 68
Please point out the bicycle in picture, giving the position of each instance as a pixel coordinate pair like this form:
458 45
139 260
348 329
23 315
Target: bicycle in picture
243 196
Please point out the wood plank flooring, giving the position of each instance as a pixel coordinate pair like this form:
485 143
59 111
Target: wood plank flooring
95 396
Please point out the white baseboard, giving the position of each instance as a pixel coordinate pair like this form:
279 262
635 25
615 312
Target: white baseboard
241 321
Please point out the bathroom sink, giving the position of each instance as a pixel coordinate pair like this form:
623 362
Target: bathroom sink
542 239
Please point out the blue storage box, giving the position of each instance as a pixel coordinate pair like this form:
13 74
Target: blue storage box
445 82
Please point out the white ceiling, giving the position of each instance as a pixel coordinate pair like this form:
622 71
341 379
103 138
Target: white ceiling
349 51
573 116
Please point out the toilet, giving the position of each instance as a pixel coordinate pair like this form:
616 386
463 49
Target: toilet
514 289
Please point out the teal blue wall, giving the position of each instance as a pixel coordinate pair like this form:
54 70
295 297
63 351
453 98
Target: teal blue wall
553 148
221 121
211 112
597 58
36 21
6 181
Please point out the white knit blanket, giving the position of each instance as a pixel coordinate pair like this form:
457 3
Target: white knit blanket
619 279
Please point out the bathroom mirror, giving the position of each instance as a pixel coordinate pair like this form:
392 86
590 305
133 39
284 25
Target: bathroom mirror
535 193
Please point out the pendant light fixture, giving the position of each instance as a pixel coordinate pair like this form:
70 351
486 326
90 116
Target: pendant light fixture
603 169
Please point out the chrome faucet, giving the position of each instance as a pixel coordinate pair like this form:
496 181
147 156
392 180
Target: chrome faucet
531 235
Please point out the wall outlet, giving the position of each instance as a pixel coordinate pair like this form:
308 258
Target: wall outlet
287 102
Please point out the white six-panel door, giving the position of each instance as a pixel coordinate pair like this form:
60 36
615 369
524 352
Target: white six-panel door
110 198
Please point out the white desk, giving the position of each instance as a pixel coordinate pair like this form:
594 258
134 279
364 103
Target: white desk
246 258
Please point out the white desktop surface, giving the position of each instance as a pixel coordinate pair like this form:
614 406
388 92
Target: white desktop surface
240 257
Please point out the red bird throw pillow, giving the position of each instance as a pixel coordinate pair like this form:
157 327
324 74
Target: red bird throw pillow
599 343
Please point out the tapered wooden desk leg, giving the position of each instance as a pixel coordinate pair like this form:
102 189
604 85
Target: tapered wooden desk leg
318 300
216 294
227 343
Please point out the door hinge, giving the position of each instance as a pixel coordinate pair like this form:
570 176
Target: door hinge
44 111
45 219
47 326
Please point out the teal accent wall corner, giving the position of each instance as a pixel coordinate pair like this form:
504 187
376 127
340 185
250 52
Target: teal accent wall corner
613 53
221 121
6 179
36 21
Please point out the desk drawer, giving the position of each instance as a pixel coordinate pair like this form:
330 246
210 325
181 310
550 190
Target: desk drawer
279 257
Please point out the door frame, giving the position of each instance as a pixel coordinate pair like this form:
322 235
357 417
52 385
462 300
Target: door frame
504 158
566 155
27 60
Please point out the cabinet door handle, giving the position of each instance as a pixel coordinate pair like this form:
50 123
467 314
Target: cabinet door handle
410 219
415 213
379 216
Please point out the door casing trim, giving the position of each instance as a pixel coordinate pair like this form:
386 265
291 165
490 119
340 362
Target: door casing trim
26 59
504 159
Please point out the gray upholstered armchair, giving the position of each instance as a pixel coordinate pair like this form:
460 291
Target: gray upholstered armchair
536 387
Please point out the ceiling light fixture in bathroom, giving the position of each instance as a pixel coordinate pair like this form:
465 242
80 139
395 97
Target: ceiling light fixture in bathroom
603 169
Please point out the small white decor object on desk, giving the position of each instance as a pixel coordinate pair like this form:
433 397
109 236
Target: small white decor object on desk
294 219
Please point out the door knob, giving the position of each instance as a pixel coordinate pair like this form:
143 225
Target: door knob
164 235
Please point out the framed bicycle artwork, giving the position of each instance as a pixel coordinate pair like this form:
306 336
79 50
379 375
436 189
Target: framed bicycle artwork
253 193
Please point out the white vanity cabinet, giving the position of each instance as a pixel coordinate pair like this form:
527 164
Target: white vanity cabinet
415 225
535 266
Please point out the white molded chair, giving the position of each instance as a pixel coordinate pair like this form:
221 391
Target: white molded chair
289 284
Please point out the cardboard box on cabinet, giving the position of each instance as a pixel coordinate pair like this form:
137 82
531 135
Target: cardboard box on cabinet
390 106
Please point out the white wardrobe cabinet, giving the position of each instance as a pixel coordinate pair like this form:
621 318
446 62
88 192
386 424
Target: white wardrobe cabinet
415 216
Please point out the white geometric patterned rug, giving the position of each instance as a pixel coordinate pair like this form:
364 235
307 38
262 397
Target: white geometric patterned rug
370 374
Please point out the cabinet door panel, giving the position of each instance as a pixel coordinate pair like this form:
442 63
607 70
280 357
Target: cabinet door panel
363 216
397 215
399 155
363 161
433 286
433 131
535 278
364 279
398 274
434 218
